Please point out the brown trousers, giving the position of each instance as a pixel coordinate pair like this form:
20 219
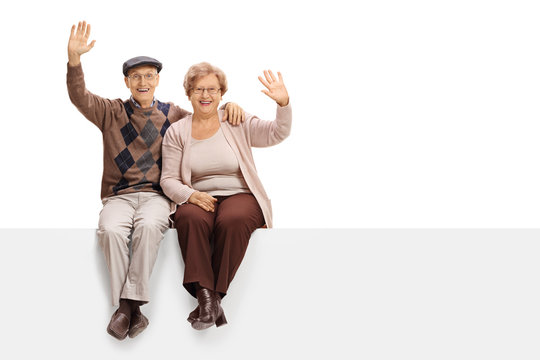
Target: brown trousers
213 244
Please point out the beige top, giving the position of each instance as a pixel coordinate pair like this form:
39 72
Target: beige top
214 167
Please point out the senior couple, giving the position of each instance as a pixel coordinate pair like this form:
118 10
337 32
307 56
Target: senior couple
161 163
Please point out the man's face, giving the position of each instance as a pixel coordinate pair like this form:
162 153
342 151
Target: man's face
142 82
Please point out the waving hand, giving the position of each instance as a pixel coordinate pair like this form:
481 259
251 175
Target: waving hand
275 87
78 42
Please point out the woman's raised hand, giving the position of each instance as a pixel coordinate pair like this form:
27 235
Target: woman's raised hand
78 42
203 200
276 88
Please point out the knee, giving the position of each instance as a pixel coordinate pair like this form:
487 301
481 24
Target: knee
231 221
113 229
191 217
111 235
150 224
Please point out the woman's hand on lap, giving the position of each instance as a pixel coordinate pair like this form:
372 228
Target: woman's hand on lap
203 200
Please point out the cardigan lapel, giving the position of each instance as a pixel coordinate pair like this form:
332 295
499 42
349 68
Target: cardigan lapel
185 170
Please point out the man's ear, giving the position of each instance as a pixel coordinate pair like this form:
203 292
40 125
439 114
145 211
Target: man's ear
126 81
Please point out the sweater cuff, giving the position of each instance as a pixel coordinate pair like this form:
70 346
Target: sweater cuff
186 195
284 109
77 69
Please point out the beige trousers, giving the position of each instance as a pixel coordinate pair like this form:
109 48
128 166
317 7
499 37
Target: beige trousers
144 216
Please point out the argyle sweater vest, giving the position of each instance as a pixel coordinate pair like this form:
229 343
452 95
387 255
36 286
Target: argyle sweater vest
132 136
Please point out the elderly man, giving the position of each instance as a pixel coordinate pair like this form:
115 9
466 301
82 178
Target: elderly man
133 202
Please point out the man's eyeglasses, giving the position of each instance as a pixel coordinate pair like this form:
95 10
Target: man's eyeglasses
137 77
211 91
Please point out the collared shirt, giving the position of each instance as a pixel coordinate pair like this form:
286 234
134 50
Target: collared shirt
139 105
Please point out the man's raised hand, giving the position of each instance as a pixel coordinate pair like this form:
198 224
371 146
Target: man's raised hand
78 42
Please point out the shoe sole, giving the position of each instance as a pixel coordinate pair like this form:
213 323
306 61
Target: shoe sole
199 325
115 335
134 331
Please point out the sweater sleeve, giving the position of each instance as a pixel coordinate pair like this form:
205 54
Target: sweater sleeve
264 133
177 113
171 182
95 108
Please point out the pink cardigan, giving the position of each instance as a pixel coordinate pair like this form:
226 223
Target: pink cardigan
176 172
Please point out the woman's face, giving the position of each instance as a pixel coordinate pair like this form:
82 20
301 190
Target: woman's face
206 95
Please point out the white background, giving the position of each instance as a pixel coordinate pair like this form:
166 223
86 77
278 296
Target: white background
406 113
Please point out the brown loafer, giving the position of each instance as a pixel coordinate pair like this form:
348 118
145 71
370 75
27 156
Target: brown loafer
139 322
118 326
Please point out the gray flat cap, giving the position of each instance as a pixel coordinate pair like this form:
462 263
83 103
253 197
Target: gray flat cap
139 61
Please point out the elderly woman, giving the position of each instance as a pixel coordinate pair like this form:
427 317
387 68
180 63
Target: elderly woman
209 172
